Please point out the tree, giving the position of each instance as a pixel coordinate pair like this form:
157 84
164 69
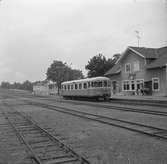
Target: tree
59 72
99 65
27 85
76 74
5 84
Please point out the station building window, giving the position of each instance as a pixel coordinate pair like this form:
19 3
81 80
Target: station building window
126 85
155 84
139 84
128 68
136 66
132 85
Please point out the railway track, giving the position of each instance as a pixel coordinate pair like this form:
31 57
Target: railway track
43 147
151 131
126 109
113 107
109 106
12 147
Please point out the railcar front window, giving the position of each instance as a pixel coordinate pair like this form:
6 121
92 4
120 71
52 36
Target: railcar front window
100 84
109 83
105 83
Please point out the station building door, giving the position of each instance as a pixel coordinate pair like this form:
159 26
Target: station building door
114 87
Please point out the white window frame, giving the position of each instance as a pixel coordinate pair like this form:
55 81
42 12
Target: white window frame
138 64
123 85
155 78
130 84
139 80
112 83
129 67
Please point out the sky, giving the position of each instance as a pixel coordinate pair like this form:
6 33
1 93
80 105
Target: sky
33 33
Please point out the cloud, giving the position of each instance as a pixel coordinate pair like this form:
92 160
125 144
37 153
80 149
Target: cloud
34 33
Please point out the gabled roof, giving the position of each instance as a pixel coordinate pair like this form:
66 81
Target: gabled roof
161 61
146 52
141 51
159 54
114 70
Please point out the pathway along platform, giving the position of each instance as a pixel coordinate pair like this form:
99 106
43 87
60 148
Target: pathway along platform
140 100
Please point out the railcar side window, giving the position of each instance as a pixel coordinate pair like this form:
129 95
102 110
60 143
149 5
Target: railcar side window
92 84
71 87
64 87
95 84
80 86
85 85
89 84
68 87
76 86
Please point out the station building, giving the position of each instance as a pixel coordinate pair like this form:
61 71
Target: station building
140 70
45 88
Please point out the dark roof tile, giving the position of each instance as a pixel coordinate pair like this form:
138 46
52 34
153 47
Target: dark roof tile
146 52
114 70
162 59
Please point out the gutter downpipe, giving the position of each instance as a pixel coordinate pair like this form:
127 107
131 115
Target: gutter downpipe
166 78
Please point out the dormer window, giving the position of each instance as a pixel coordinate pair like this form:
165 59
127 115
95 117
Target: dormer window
128 68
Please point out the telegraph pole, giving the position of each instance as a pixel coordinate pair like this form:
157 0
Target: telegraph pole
138 37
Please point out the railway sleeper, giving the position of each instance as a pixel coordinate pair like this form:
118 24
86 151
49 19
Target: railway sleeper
41 146
61 160
38 141
47 156
45 150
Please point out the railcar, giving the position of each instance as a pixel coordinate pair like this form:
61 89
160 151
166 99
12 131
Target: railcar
98 87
